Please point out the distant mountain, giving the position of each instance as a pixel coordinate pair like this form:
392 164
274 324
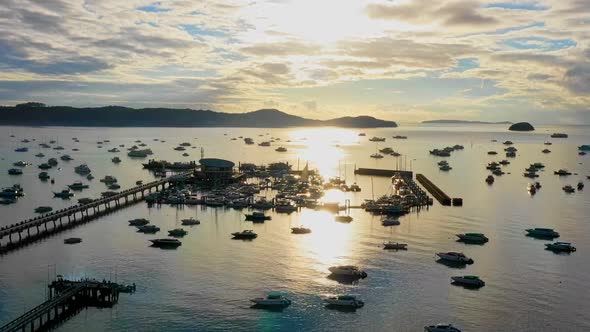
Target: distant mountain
37 114
465 122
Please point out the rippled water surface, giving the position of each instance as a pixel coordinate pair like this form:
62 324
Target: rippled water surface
205 285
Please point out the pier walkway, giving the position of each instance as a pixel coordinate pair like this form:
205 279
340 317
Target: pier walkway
28 231
435 191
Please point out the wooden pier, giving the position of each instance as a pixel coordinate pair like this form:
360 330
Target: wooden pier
435 191
29 231
66 299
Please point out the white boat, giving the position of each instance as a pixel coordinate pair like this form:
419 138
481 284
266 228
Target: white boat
441 328
390 221
348 271
469 280
347 301
456 257
272 300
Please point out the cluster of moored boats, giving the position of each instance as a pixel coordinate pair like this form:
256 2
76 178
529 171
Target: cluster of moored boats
143 226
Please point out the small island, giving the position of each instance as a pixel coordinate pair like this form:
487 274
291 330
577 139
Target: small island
521 126
465 122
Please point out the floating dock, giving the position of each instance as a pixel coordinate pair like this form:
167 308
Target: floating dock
383 172
435 191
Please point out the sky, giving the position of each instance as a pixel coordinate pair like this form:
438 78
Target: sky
401 60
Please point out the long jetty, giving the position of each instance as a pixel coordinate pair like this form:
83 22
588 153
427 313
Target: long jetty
435 191
31 230
66 298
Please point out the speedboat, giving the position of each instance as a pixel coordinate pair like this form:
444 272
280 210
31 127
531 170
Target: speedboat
542 232
390 221
72 240
138 222
166 243
257 216
177 232
21 163
560 246
78 185
345 301
469 280
149 229
455 257
343 218
347 271
66 193
472 238
15 171
395 246
300 230
190 222
43 209
441 328
244 235
272 300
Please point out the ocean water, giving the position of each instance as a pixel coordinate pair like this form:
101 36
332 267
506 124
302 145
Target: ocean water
205 285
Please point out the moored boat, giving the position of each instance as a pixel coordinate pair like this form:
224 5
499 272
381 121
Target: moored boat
273 299
300 230
468 280
345 301
190 222
244 235
166 243
351 271
560 247
72 240
542 232
454 257
177 232
395 246
472 238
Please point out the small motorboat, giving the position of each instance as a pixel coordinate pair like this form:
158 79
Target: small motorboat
300 230
43 209
72 240
257 216
469 280
376 156
148 229
562 172
281 149
21 163
477 238
395 246
560 247
568 189
78 185
542 232
454 257
189 222
441 328
390 221
65 194
580 185
272 300
15 171
166 243
244 235
351 271
66 157
177 232
116 160
546 151
490 179
138 222
344 301
345 219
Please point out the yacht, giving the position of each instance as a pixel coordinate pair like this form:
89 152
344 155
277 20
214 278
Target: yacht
343 218
257 216
559 135
390 221
377 156
189 222
245 235
560 247
346 301
456 257
348 271
138 222
82 169
66 193
116 160
568 189
43 176
395 246
43 209
15 171
272 300
377 139
166 243
66 157
472 238
78 185
542 232
562 172
177 232
149 229
469 280
300 230
21 163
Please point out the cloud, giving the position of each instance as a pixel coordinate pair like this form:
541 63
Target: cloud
280 48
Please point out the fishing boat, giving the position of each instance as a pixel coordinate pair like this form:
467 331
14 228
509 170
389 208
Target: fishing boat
454 257
560 247
85 200
52 161
39 155
273 299
472 238
281 149
14 191
166 243
177 232
377 139
580 185
66 157
300 230
108 179
190 222
376 156
82 169
21 163
285 207
395 246
21 149
43 176
244 235
44 166
257 216
116 160
468 280
345 301
542 232
546 151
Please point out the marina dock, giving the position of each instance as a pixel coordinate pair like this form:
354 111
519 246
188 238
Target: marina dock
31 230
66 299
435 191
382 172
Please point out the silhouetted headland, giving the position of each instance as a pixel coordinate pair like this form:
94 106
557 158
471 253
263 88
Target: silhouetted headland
38 114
